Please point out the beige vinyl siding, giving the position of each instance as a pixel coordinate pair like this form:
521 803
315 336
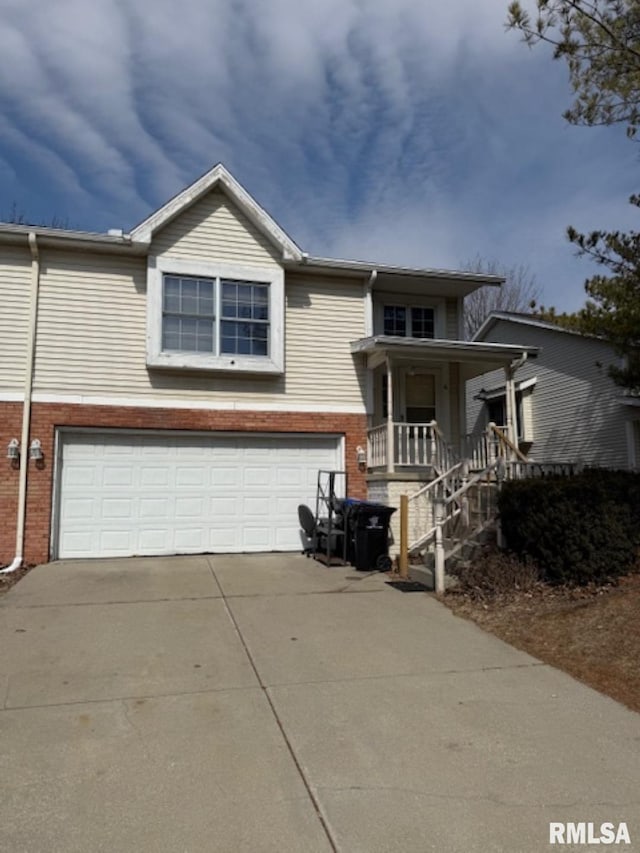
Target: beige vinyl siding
575 414
91 324
322 317
215 229
15 280
452 332
92 340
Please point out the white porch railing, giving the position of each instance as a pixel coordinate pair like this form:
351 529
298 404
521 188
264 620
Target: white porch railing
482 449
414 445
377 447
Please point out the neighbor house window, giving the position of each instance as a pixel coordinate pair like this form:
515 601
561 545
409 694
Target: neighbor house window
191 323
412 322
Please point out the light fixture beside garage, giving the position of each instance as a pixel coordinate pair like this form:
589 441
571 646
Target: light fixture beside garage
13 449
35 450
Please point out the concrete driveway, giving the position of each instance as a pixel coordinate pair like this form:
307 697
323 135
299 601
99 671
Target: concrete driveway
267 703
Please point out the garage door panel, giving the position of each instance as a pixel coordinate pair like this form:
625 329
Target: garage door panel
80 475
117 542
224 540
223 508
136 494
223 476
78 509
153 508
117 508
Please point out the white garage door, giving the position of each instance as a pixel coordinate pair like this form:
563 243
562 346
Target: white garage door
138 494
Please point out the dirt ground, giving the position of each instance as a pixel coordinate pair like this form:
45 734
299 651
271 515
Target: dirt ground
593 634
7 581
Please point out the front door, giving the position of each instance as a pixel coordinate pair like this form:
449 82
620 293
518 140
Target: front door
417 406
419 402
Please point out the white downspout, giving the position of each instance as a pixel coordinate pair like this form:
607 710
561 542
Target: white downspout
368 304
512 416
368 333
26 407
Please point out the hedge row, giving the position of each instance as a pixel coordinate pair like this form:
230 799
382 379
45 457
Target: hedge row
577 529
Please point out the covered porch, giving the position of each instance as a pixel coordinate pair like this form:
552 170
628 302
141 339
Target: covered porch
416 393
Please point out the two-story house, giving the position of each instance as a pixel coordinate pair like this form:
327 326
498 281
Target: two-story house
567 407
176 389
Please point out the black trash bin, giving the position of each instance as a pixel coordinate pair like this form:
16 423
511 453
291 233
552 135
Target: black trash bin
368 530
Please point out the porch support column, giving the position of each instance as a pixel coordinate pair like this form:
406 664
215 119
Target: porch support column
510 399
391 451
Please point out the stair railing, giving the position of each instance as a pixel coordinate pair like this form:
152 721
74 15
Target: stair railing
449 496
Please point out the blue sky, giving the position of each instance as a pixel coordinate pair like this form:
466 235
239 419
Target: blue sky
401 131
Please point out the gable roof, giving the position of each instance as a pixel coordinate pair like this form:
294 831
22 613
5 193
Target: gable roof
218 177
525 320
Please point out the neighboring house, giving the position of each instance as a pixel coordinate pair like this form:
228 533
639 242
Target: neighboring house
182 384
568 408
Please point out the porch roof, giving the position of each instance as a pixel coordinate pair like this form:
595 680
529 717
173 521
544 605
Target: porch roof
478 357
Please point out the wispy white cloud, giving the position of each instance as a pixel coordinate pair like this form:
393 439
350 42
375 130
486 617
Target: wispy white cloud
405 130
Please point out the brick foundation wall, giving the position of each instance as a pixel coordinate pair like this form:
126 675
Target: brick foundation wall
46 417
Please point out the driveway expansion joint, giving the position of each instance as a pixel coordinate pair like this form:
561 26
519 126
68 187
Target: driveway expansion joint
308 787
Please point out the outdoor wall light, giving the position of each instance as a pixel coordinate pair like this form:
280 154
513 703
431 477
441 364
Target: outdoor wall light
35 450
361 455
13 449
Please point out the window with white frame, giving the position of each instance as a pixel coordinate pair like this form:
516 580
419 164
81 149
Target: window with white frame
244 325
203 316
190 322
408 321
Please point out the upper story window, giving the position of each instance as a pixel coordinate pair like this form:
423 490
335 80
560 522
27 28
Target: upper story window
413 322
188 314
244 328
190 322
215 321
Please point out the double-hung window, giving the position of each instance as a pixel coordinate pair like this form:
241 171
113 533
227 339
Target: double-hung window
408 321
188 314
192 323
205 317
244 325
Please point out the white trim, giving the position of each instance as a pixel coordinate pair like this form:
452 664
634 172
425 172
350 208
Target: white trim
525 320
54 521
273 276
500 390
237 193
12 396
177 403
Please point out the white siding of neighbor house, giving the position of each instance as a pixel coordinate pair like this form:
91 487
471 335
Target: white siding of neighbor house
15 279
214 228
92 339
574 412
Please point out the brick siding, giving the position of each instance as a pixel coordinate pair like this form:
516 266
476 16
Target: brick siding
46 417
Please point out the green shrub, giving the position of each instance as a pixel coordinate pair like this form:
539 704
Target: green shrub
579 529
